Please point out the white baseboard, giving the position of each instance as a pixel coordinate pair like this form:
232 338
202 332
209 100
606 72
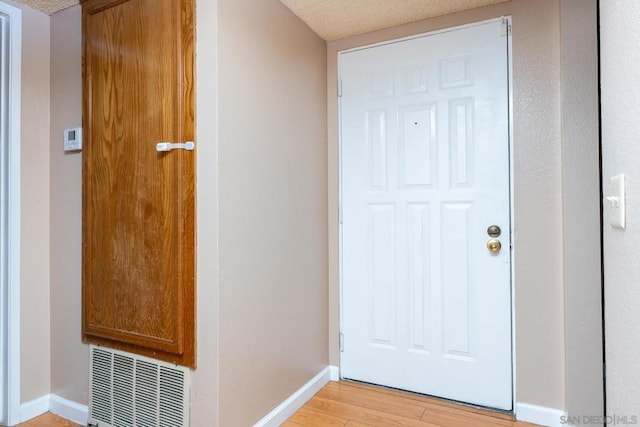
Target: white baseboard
34 408
299 398
52 403
334 373
69 410
539 415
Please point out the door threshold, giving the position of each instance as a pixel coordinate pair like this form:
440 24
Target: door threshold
486 410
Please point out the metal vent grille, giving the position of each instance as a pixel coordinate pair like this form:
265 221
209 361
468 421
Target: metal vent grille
128 390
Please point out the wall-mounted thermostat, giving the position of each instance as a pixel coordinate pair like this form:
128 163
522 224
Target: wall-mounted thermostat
73 139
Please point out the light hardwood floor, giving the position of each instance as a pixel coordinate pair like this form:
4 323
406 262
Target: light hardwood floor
48 420
350 404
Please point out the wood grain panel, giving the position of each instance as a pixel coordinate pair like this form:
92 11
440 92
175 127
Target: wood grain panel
138 204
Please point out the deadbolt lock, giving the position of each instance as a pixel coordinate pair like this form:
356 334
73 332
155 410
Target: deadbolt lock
494 231
494 246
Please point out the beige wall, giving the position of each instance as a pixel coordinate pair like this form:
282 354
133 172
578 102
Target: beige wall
620 38
34 253
273 201
581 193
204 389
539 292
69 357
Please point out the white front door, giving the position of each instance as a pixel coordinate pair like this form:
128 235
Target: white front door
426 305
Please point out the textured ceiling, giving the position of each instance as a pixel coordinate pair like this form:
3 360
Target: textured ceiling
337 19
48 6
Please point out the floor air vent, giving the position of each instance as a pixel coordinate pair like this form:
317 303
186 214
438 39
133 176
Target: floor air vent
128 390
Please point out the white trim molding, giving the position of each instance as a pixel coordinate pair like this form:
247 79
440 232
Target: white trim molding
62 407
34 408
69 410
539 415
334 373
12 342
297 399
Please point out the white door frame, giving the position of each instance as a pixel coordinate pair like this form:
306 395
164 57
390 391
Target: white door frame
508 19
11 311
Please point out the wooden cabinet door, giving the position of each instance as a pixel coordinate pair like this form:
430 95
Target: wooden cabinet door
138 203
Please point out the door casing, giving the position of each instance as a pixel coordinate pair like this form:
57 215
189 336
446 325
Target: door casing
10 308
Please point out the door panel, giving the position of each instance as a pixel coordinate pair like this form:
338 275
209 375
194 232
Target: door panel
138 203
424 173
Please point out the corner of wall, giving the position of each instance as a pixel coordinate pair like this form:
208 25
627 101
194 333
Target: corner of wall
69 356
35 206
581 202
619 59
205 379
538 236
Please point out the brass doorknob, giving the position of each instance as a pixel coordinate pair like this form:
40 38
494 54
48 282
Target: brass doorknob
494 246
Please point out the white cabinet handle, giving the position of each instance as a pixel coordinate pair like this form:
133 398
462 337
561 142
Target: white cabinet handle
168 146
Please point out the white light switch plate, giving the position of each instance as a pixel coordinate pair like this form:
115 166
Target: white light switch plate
616 201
